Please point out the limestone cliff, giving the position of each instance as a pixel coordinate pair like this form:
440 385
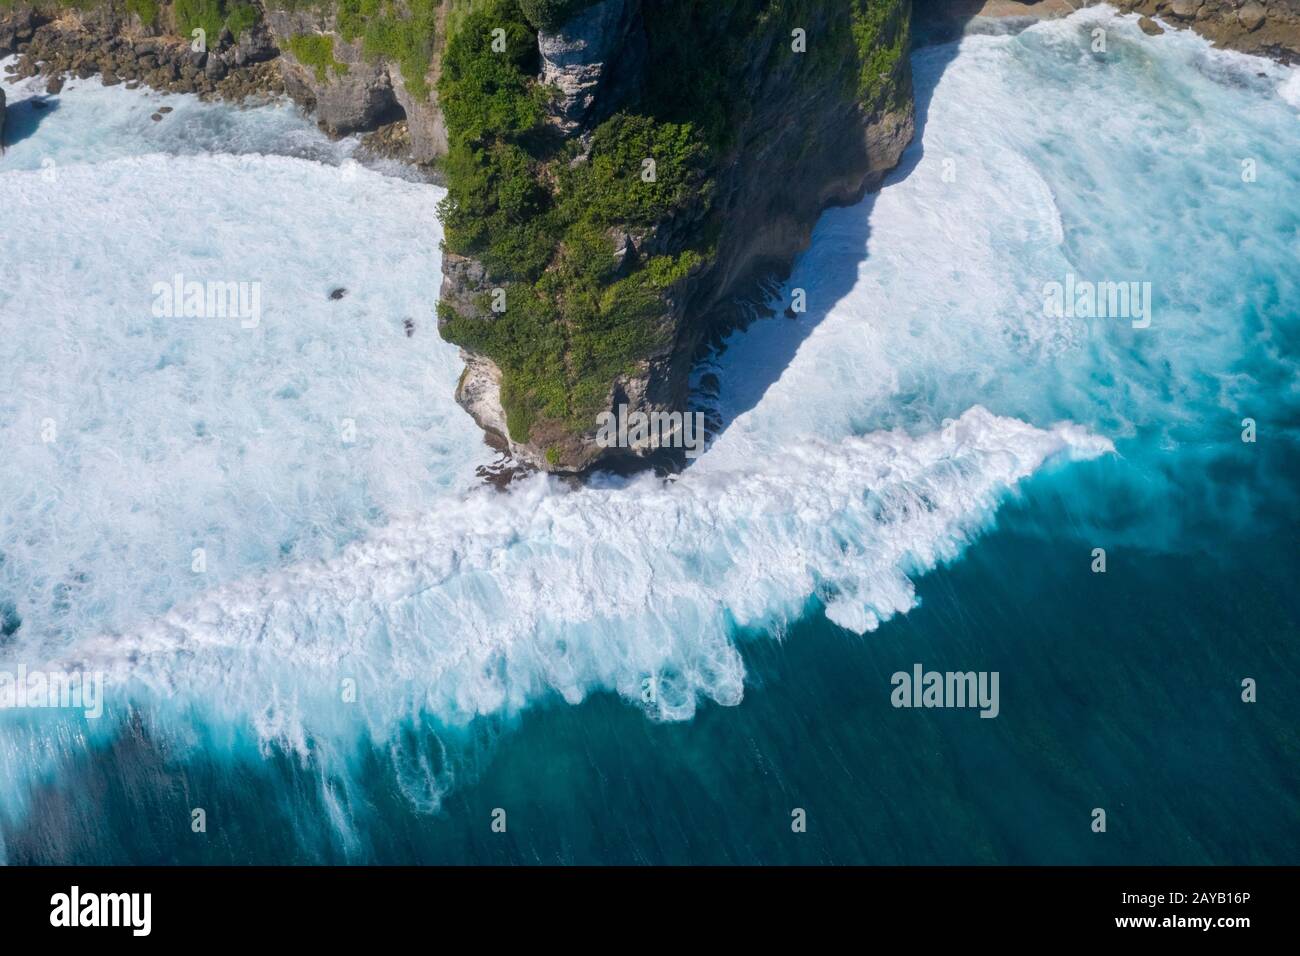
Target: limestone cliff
359 66
805 104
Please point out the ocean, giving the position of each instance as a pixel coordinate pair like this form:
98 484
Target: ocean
324 639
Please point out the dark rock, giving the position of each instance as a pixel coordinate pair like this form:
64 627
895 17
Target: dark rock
156 117
54 85
409 325
625 255
16 28
338 293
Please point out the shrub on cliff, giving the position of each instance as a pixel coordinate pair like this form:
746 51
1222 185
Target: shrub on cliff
548 14
209 15
541 218
400 32
316 50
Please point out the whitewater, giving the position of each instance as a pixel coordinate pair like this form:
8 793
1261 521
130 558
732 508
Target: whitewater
357 574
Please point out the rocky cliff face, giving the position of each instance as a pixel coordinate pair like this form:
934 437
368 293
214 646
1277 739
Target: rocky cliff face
807 127
329 68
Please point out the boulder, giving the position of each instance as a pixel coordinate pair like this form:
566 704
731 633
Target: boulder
1251 16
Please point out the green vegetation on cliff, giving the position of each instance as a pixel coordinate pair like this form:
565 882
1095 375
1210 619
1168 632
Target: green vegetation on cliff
186 15
399 31
881 33
402 33
553 221
209 15
146 10
543 221
547 14
317 51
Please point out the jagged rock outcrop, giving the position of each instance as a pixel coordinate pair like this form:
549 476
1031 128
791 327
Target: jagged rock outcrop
16 29
592 62
357 95
362 92
796 140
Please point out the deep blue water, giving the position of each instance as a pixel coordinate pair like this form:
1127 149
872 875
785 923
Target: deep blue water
1118 690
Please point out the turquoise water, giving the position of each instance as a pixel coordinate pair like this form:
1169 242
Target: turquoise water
917 470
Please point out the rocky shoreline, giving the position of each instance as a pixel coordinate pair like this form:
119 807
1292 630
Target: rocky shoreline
119 50
250 68
1269 28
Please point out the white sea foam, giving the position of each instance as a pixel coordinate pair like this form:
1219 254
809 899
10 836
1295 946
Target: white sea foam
133 439
1290 88
492 599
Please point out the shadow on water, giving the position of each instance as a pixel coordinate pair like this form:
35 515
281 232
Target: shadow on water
24 116
938 27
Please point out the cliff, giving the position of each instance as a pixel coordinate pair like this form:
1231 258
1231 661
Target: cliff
361 64
642 162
